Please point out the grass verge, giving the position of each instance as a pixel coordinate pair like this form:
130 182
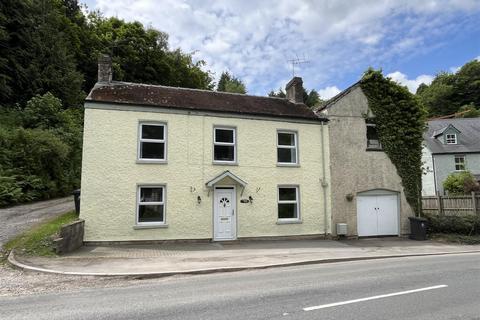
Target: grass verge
38 241
455 238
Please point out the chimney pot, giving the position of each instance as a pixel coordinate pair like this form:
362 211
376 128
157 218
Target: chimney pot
104 68
294 89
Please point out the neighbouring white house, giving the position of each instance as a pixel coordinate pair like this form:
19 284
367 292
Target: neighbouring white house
450 145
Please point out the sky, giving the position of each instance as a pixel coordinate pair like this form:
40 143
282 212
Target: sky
410 41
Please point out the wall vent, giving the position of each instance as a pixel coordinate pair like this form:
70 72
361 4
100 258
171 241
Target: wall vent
341 229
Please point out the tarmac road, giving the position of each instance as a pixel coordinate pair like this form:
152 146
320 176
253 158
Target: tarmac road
434 287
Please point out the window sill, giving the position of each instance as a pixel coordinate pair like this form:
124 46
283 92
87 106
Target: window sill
220 163
150 226
145 161
289 221
292 165
374 149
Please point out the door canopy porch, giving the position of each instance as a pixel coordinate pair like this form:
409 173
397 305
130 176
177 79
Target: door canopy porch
226 176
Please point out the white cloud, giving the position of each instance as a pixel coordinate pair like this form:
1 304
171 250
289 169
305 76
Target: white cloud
477 58
454 69
328 92
411 84
255 39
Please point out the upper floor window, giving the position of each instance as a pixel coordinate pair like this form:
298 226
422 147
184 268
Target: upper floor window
287 150
451 138
373 140
152 144
460 163
224 145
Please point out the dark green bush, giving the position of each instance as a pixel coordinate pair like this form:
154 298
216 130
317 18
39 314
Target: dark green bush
465 225
40 154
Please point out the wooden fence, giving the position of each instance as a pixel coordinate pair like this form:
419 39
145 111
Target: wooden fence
452 205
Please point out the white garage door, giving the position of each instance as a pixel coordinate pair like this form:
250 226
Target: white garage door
377 215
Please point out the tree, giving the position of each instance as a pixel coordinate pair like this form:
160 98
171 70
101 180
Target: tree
37 53
470 111
229 83
448 92
311 98
279 94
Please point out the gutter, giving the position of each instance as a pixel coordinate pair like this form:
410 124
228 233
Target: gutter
324 182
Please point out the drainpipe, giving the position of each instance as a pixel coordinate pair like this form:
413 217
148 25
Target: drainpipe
324 182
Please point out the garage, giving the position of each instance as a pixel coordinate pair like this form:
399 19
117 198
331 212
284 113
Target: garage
377 213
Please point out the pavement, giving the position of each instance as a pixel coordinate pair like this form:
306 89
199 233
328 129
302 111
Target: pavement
196 258
14 220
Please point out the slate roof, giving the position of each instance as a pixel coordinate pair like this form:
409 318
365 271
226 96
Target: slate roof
468 140
201 100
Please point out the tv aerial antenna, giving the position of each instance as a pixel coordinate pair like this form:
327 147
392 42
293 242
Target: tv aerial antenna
297 61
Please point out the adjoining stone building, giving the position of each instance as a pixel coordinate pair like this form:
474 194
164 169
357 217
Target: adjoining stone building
367 192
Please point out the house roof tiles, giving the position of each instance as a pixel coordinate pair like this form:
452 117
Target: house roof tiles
468 138
201 100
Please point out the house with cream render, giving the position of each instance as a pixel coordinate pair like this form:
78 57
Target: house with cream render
166 163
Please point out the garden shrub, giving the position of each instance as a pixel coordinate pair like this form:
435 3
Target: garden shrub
459 183
465 225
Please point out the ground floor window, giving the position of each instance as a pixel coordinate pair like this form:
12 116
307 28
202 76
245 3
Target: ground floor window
288 203
151 205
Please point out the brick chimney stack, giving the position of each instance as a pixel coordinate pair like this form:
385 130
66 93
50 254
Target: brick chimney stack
104 68
294 89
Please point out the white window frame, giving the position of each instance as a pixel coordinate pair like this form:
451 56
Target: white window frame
234 144
141 140
295 147
156 203
451 138
460 156
296 201
379 147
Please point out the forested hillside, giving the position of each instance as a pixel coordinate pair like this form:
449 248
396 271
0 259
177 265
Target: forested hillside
451 93
48 63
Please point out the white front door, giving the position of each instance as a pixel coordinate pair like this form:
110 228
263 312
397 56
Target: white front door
377 215
224 211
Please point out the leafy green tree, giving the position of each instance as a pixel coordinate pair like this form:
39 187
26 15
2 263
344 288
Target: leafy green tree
449 92
230 83
278 94
37 53
311 98
469 111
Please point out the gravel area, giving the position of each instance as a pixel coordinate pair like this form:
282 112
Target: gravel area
18 282
17 219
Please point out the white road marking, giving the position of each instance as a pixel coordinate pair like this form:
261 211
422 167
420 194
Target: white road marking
323 306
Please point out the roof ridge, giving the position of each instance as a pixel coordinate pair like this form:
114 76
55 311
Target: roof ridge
195 89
